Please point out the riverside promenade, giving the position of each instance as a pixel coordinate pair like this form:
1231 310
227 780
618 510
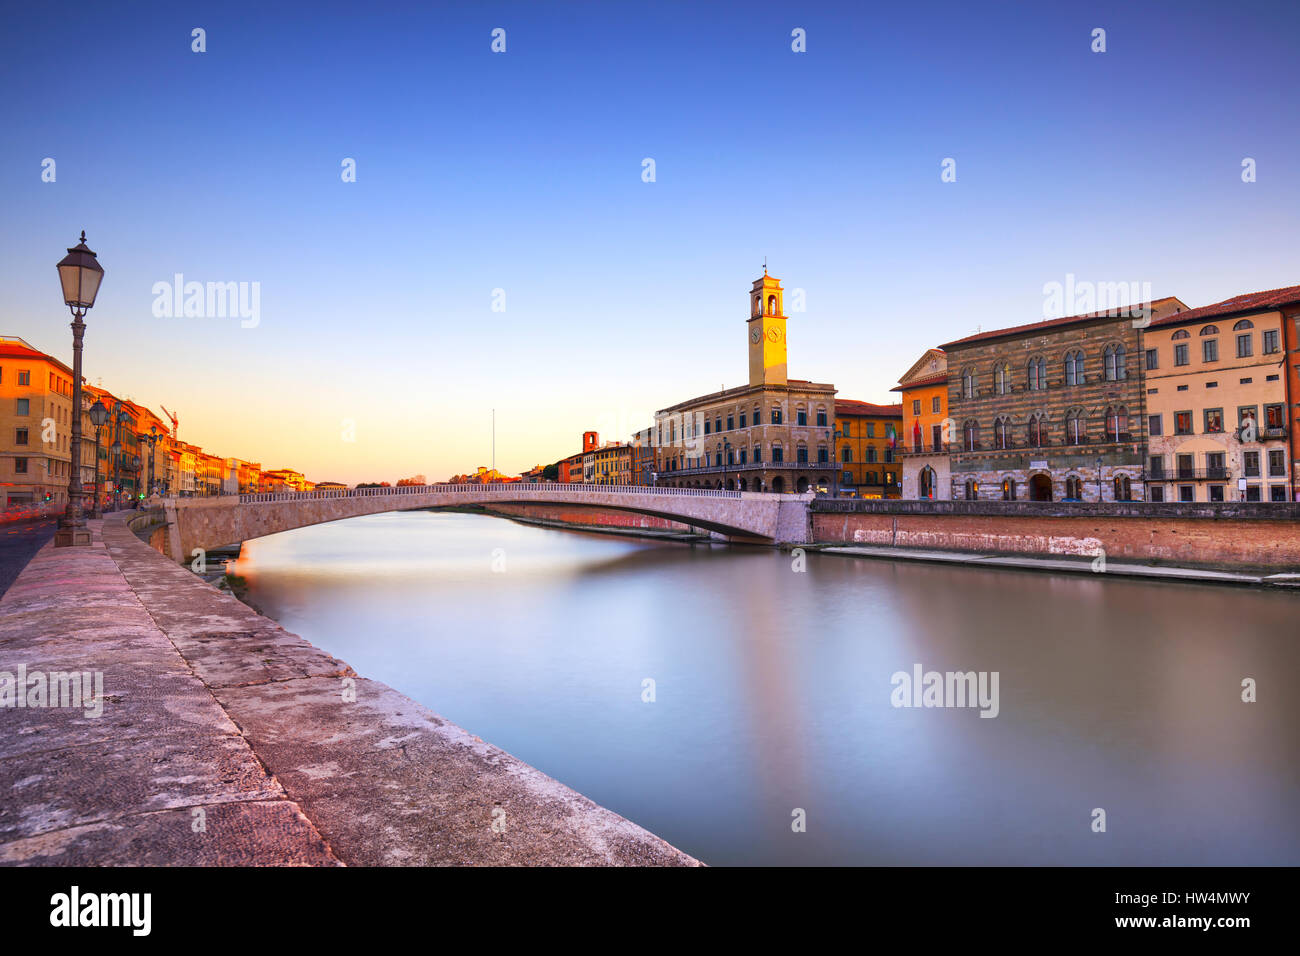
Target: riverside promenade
226 740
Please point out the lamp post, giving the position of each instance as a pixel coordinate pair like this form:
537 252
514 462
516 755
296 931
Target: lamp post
1099 495
833 464
98 416
152 439
80 275
115 452
135 481
726 459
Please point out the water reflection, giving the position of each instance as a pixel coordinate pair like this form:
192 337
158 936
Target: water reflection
773 690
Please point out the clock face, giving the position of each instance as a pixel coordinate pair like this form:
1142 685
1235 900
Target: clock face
755 335
773 335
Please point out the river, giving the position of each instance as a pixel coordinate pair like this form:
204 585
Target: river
774 691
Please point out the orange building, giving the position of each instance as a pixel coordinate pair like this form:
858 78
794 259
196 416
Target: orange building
867 448
926 427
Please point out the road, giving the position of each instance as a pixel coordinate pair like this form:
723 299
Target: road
20 540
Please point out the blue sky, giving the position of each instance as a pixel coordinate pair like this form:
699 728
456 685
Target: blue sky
521 171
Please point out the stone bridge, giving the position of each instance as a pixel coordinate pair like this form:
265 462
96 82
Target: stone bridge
228 519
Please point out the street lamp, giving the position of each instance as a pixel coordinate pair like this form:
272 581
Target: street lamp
152 439
1099 494
115 451
80 275
98 416
833 464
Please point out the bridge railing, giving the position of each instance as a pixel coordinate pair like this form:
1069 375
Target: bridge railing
541 489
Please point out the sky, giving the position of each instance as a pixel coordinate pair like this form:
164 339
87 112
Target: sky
500 247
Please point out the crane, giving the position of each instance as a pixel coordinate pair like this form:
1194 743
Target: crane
175 420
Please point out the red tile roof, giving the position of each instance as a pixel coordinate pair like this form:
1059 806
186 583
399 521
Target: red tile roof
1248 302
849 406
922 382
1033 327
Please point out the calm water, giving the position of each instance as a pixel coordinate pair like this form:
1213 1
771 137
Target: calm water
773 691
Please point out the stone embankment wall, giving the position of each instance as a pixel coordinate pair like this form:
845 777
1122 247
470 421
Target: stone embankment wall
1209 536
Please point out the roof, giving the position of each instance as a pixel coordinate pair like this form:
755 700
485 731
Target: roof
791 384
849 406
13 347
1050 324
1248 302
922 382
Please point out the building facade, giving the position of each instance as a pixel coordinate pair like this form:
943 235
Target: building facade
867 449
926 427
775 434
1219 421
1052 411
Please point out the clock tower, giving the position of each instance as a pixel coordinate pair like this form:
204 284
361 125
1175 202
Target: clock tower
766 329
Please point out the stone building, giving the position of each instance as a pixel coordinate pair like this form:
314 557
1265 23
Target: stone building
924 389
1053 410
775 434
1218 423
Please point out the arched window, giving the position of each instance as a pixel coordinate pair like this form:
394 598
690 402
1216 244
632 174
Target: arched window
968 383
771 305
1034 433
1008 489
1210 330
972 489
1074 488
1117 427
1115 367
846 454
1076 427
1037 376
758 305
927 482
1002 432
1001 378
971 433
1123 488
1181 334
1074 368
1243 325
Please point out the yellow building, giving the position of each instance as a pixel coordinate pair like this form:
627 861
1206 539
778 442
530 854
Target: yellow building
36 428
926 427
610 464
1216 397
867 449
774 434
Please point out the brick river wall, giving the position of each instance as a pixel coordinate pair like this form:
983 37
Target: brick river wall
1223 537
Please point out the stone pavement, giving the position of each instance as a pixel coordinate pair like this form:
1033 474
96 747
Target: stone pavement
224 739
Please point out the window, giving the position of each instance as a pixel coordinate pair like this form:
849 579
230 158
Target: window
1250 464
1074 488
1186 492
1216 492
1276 463
1115 368
1182 423
971 431
935 405
24 377
1002 432
972 489
1034 433
846 454
1155 425
1270 342
1245 348
1243 325
1117 427
871 429
821 417
758 454
731 423
1210 350
801 417
823 455
1210 330
1180 355
1274 416
916 406
717 424
1156 466
743 452
846 428
936 437
707 426
20 436
1076 430
24 407
1008 489
1153 358
1074 368
1252 492
1181 334
742 419
1277 492
1157 493
1037 374
1000 375
968 383
776 415
1186 467
20 464
1214 465
1123 488
778 454
1213 421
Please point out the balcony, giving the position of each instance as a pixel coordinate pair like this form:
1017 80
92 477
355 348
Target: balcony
1191 474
